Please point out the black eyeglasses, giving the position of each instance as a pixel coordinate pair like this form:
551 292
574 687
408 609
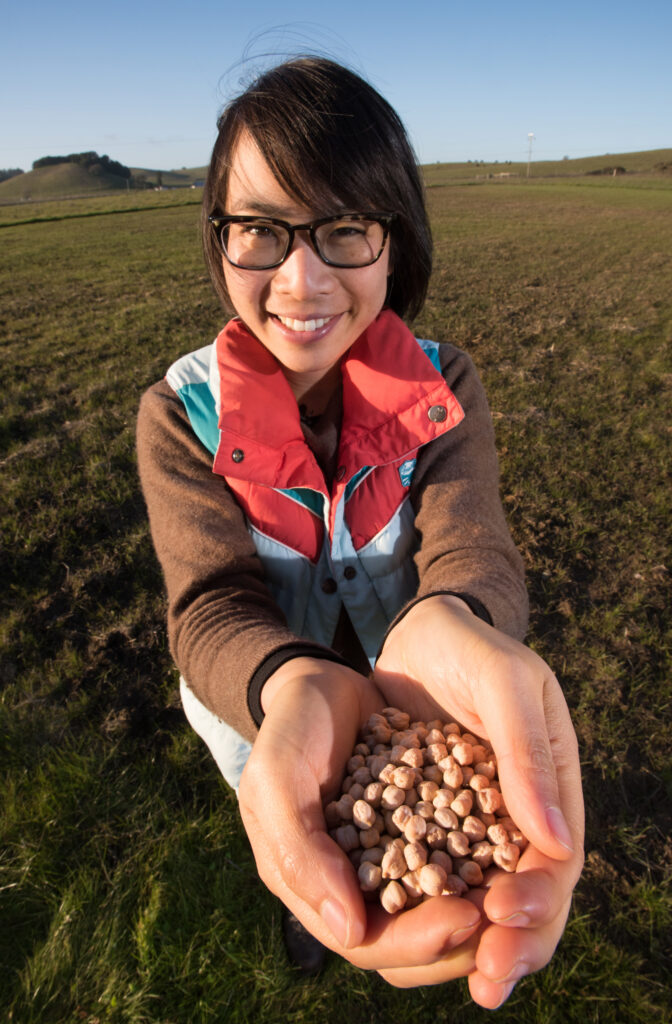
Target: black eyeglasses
261 243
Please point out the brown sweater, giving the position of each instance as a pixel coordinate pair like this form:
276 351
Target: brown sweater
225 628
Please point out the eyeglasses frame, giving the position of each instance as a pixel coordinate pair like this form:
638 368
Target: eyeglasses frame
220 222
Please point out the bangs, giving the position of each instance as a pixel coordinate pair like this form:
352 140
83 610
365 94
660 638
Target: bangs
322 142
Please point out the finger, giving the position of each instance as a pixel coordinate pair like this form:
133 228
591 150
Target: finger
506 955
532 896
456 964
424 935
489 994
416 938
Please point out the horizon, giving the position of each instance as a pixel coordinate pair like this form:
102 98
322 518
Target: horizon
145 87
204 167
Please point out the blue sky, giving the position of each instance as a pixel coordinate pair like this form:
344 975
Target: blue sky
144 81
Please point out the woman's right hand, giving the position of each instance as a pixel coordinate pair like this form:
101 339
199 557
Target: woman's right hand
313 711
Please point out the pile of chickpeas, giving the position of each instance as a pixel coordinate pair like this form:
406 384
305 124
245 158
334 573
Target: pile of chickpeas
421 811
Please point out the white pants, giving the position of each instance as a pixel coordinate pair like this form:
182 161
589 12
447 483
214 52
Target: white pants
227 746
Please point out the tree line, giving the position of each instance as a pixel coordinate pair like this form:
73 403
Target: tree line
90 160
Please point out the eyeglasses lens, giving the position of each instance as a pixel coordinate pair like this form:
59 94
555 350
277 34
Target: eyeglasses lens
254 243
352 243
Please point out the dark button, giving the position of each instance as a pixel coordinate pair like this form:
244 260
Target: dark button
437 413
329 586
350 572
340 472
237 454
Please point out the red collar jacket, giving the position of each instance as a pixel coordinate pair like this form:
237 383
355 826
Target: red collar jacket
356 542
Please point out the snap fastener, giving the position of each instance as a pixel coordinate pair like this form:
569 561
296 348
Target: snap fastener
237 454
437 413
329 585
350 572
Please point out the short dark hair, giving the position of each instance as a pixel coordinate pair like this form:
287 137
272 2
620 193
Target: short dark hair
333 143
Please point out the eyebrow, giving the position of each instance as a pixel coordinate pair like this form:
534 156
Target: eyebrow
258 206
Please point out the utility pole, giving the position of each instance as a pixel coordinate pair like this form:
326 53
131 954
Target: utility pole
530 138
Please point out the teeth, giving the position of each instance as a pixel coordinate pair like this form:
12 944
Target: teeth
304 325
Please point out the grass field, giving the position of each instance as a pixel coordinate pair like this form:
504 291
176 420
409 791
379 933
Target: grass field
127 887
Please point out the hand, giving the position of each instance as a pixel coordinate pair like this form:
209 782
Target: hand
442 661
313 711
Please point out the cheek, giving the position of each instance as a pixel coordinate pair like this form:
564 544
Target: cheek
245 289
377 285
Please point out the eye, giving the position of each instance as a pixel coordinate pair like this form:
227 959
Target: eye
347 229
347 234
256 230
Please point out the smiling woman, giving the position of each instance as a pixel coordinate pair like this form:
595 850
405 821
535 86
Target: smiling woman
323 496
332 144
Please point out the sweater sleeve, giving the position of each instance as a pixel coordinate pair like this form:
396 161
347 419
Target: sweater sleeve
225 630
465 545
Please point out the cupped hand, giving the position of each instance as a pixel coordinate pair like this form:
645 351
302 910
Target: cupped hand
313 711
442 661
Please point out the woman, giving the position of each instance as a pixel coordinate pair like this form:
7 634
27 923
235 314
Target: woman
323 496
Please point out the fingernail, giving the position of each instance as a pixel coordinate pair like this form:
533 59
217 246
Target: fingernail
334 916
462 934
559 827
517 920
518 971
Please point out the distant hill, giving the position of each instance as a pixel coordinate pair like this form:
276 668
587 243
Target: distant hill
64 179
653 162
71 179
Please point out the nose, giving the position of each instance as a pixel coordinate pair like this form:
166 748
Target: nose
303 274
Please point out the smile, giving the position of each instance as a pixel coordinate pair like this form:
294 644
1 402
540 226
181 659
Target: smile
304 325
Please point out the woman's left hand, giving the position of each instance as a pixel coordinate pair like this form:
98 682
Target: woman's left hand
441 661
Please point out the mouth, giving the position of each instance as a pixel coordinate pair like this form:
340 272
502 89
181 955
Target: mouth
303 326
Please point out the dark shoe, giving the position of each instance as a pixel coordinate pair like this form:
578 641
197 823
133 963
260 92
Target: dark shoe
303 949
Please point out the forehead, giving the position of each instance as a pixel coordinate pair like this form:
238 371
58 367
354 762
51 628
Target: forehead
253 188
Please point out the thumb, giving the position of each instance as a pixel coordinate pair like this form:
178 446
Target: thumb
300 863
332 892
535 746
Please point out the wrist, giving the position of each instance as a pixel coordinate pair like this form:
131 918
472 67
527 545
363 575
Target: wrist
426 608
277 658
452 601
287 673
305 682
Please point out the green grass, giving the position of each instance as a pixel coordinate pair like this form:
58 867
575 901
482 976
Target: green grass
127 887
57 208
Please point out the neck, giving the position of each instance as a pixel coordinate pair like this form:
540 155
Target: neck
313 396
